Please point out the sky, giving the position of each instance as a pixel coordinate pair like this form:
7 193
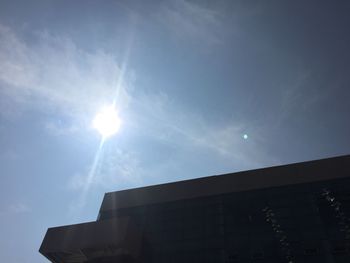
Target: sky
189 78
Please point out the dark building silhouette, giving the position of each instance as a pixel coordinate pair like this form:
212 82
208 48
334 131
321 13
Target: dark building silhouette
291 213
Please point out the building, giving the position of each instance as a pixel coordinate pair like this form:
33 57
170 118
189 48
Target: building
291 213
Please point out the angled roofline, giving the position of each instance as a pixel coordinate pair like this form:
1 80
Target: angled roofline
295 173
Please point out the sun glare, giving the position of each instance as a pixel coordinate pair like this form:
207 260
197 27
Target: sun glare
107 121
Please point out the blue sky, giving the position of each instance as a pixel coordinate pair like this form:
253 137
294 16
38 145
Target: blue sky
190 78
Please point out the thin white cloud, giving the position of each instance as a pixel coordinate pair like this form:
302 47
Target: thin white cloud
59 128
172 123
191 21
19 208
55 73
163 121
300 97
116 168
10 155
16 208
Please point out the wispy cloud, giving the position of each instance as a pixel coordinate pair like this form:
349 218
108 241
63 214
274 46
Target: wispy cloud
58 127
169 121
19 208
16 208
53 72
191 21
116 167
57 75
10 155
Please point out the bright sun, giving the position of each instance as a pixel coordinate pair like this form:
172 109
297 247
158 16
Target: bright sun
107 121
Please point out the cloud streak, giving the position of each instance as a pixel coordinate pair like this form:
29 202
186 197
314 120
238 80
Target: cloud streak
116 167
55 73
163 120
191 21
16 208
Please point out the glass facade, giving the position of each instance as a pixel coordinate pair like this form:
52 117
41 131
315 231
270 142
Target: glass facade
307 222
